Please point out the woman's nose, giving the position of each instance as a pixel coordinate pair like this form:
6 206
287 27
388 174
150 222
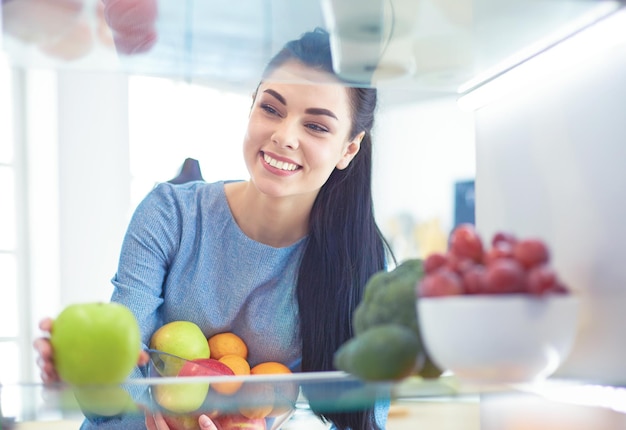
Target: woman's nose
286 134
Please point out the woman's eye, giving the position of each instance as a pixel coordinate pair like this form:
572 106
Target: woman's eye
269 109
317 128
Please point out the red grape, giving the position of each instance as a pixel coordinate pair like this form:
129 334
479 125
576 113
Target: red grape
444 282
459 264
434 262
531 252
511 265
474 280
502 236
540 279
499 250
465 242
505 276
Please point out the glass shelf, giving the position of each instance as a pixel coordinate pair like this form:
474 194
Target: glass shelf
421 50
324 392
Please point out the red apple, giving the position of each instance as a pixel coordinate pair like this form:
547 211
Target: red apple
239 422
205 367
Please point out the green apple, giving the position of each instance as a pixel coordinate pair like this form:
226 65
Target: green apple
104 400
181 398
183 339
95 343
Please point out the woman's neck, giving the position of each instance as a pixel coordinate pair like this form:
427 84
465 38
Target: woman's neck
278 222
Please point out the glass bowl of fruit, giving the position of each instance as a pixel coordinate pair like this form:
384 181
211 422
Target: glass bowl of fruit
182 390
497 313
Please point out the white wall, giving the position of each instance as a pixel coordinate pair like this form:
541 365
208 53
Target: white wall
550 163
78 182
420 151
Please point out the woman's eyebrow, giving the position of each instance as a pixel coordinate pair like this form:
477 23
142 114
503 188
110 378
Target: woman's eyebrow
276 95
321 111
311 111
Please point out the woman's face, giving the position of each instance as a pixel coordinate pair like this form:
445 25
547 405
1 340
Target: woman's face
298 132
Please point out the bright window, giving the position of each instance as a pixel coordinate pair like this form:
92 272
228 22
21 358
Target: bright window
9 336
170 121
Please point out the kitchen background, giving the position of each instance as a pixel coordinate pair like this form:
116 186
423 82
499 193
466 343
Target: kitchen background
543 138
79 150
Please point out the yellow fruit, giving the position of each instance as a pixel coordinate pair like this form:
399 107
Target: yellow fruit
284 394
239 366
269 367
181 338
258 400
227 343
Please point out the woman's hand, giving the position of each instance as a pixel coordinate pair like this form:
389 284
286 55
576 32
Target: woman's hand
157 422
45 361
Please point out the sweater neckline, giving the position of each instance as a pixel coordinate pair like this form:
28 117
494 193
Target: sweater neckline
233 223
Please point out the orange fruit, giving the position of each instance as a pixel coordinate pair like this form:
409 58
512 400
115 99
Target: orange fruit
261 401
269 367
227 343
284 393
239 366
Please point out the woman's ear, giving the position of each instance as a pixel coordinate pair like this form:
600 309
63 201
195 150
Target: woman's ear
350 151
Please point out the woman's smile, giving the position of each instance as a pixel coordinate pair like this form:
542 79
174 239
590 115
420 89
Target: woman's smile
278 164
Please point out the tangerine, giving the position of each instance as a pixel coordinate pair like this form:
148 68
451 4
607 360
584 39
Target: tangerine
239 366
227 343
269 367
260 401
284 393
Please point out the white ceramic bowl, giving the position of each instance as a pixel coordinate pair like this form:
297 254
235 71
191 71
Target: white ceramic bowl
511 338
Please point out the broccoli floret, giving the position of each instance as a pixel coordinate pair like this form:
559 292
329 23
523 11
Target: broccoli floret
389 297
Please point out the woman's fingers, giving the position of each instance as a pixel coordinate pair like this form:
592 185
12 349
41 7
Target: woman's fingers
206 423
43 346
143 358
45 361
155 421
46 324
150 424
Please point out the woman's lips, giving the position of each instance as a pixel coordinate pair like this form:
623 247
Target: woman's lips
278 164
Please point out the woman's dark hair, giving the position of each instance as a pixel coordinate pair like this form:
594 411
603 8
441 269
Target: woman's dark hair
344 245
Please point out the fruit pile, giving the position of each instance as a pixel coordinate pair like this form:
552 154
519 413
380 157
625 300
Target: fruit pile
508 265
223 354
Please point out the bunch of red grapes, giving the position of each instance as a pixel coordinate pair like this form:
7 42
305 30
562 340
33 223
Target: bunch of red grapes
510 265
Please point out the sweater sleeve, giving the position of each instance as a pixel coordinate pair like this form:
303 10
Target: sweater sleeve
149 246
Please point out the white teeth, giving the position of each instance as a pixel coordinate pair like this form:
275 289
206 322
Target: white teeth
282 165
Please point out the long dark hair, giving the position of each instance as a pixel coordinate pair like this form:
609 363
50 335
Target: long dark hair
344 245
